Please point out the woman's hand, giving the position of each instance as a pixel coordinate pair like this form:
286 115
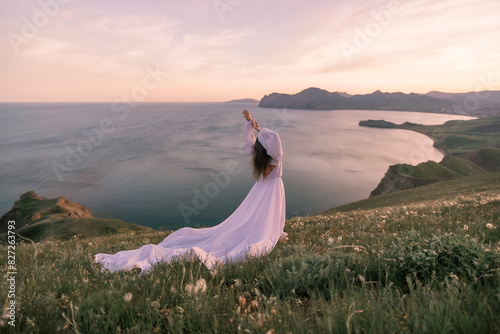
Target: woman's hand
247 115
255 125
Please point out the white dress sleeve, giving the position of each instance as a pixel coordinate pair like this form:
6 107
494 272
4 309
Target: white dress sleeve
249 137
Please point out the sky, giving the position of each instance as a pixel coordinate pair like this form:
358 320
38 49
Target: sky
217 50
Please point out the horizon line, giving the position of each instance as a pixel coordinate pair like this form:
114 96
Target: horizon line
474 91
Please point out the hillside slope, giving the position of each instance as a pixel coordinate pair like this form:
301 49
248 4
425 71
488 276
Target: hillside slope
423 261
41 219
484 184
470 147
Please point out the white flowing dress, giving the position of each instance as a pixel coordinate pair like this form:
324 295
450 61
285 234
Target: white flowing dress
252 230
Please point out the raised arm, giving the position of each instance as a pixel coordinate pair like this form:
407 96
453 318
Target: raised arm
248 135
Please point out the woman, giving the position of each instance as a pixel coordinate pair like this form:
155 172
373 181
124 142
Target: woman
252 230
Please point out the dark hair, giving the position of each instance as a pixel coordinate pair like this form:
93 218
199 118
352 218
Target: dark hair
260 160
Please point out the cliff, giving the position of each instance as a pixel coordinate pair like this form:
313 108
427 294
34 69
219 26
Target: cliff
40 219
31 208
404 176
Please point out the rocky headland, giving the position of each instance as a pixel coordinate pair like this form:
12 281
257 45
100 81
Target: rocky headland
40 219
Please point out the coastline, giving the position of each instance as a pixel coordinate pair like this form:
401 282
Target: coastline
460 141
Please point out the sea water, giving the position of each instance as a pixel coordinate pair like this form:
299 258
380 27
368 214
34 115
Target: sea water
169 165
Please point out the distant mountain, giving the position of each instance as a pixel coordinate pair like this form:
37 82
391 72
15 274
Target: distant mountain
315 98
487 99
435 102
246 100
311 98
344 94
400 101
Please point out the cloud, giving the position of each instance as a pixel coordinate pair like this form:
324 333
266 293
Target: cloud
260 45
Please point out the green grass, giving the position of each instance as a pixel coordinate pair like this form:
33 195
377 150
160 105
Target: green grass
493 153
28 206
426 261
461 166
455 137
471 147
489 156
428 170
47 219
486 184
64 229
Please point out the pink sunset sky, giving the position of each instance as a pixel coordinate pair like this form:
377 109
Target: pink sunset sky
75 50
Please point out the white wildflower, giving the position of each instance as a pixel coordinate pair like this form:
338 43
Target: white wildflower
128 297
490 226
189 288
200 286
466 228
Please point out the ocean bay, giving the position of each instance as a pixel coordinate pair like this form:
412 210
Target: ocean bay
146 165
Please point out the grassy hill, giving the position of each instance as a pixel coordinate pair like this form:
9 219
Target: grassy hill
424 260
487 184
454 137
429 169
470 147
64 229
41 219
462 166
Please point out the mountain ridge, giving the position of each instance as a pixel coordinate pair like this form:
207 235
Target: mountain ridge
484 104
